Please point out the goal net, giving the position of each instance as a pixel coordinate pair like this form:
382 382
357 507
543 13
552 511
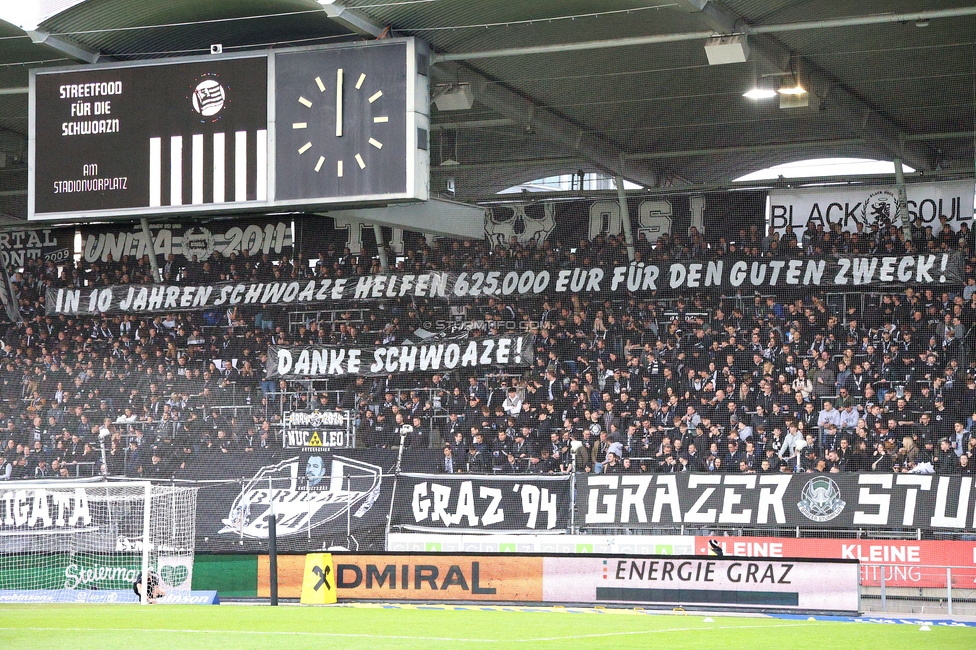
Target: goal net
90 542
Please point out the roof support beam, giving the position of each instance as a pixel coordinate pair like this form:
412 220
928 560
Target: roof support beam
946 135
351 19
841 104
686 153
69 47
702 35
508 164
659 155
860 181
547 124
757 148
471 124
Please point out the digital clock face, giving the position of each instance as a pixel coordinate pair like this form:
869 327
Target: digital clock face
341 119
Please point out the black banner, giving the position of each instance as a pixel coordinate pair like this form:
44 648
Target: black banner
321 499
8 296
845 501
723 275
514 503
45 244
317 430
774 275
716 214
153 298
309 362
187 240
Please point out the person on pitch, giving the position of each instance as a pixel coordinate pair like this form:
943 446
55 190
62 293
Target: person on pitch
154 585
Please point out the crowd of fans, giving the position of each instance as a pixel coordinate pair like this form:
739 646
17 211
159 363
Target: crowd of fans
640 382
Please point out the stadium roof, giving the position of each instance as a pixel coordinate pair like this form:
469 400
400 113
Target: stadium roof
618 86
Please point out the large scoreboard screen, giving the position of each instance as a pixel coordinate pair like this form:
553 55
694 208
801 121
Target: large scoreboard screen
200 135
151 136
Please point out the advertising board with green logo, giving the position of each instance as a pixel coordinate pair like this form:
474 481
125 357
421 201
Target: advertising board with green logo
70 571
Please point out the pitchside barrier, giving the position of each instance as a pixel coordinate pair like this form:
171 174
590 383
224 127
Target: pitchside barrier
909 576
826 586
919 577
908 564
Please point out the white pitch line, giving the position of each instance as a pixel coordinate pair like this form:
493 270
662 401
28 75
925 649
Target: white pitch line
704 628
673 629
253 632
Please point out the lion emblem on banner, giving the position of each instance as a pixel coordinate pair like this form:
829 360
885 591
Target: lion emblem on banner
528 224
881 209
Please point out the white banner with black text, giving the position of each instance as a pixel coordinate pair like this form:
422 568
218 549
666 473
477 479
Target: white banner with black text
867 208
322 361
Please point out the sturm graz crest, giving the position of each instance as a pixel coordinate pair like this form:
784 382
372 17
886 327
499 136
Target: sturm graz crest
821 500
208 97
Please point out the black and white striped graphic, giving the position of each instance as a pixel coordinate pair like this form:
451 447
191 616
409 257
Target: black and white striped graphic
213 168
191 136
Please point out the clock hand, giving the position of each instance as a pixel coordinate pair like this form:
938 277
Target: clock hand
339 102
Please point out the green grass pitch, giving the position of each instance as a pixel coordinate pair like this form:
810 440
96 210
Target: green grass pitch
107 627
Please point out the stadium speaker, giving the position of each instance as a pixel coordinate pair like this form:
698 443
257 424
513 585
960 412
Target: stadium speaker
454 97
727 49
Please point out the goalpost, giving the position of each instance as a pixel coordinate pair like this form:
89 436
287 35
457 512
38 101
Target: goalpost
89 541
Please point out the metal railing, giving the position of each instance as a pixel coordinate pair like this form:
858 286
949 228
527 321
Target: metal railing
918 589
90 465
298 318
